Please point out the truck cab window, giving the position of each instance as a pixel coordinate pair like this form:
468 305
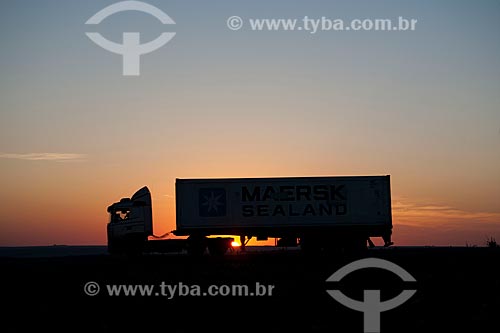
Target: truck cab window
121 215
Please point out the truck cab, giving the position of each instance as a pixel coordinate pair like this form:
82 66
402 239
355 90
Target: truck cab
130 222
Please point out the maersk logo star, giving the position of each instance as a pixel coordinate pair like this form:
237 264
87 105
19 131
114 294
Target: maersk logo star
212 202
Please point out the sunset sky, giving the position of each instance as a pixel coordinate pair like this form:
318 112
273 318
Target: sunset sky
422 106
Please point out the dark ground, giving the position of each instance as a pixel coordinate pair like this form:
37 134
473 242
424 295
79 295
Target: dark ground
458 289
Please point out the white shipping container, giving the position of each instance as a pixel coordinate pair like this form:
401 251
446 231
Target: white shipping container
253 203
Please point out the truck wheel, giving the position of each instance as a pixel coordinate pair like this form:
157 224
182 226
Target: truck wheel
196 246
114 248
196 251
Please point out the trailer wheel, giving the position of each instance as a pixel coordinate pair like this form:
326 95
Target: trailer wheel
218 248
310 245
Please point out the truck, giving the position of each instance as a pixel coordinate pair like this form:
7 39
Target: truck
316 214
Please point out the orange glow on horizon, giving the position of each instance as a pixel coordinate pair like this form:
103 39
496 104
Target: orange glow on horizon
66 203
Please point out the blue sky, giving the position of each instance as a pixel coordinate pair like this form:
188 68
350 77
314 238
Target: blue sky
421 105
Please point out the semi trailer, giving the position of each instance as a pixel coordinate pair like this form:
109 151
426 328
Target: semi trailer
315 213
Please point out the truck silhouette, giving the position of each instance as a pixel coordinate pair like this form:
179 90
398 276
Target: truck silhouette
315 213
